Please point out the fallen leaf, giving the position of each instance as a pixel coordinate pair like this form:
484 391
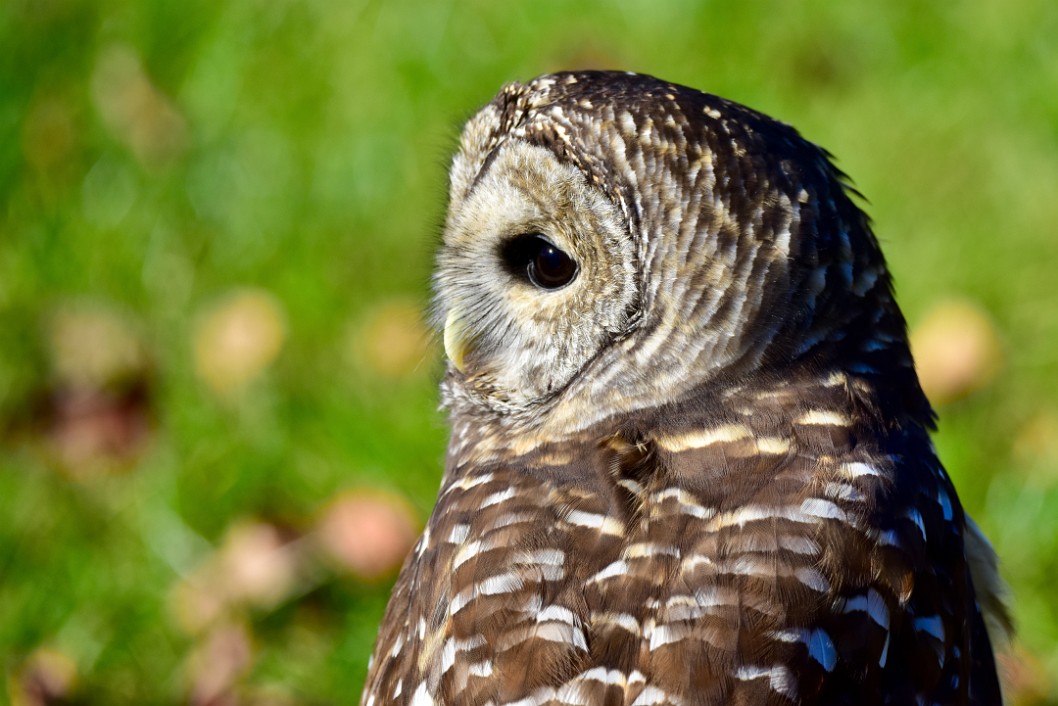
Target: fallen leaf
134 109
217 663
390 339
957 350
47 677
91 431
367 532
96 412
236 341
256 565
48 134
1024 678
91 346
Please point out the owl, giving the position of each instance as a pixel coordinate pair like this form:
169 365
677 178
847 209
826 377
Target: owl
690 459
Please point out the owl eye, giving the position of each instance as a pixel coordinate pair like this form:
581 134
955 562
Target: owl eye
537 258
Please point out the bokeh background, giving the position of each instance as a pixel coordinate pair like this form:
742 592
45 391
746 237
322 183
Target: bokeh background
218 425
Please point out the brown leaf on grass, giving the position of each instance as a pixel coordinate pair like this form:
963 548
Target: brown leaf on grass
134 109
49 133
47 677
93 431
236 340
957 350
217 663
390 339
367 532
93 347
1038 438
96 414
1025 678
1036 446
257 565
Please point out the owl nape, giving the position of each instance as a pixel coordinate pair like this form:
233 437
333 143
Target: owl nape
690 458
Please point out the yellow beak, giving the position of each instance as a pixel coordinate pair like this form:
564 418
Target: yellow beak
456 344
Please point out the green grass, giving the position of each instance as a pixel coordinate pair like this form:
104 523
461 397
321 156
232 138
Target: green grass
155 156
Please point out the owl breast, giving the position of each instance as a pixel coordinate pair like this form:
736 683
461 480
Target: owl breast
729 558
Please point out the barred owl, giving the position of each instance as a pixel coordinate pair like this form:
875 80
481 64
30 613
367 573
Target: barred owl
690 458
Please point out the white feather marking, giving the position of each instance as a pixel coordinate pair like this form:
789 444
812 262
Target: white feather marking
824 509
871 603
557 613
692 562
472 549
915 516
424 542
422 697
930 624
548 557
610 677
687 503
642 550
772 445
617 568
498 497
699 439
458 534
843 491
397 644
858 470
865 281
448 655
889 538
501 583
945 504
651 696
822 417
799 544
813 579
538 697
754 513
820 646
603 523
779 678
663 635
624 621
835 379
512 518
468 482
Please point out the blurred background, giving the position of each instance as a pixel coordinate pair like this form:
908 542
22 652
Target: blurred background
218 425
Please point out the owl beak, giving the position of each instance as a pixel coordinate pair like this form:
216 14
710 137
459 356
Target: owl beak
457 344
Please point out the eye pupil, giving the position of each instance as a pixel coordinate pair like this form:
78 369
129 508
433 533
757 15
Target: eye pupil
551 268
535 257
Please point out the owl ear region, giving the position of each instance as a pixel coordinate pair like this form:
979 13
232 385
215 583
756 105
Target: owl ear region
457 340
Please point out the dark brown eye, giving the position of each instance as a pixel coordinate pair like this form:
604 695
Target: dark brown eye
537 258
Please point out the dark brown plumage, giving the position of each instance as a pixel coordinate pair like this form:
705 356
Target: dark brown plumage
690 460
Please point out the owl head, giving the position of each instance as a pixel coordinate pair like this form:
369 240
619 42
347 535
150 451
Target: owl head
613 239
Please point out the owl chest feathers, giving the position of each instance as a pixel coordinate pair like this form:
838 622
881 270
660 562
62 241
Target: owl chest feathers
731 556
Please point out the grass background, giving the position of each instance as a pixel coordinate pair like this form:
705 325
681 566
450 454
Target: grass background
157 157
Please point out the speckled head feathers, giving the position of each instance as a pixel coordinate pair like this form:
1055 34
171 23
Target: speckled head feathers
712 239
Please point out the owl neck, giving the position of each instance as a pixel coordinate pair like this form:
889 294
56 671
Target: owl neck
861 368
808 408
